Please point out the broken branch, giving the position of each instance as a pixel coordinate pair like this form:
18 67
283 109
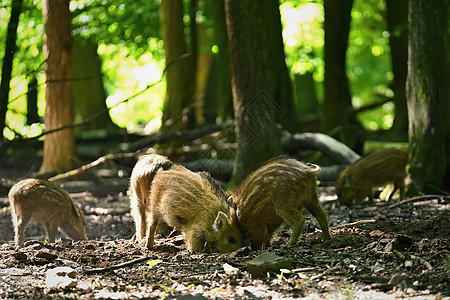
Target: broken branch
418 198
115 267
354 224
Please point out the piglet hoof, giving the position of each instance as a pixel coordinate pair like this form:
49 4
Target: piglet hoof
149 245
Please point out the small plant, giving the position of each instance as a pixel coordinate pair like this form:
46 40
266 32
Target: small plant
153 263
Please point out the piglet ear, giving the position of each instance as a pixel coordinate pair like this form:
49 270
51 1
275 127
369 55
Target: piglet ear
221 221
230 200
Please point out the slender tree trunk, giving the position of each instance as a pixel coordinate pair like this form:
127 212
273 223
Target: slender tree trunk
59 147
202 71
88 93
397 19
337 106
177 112
32 99
255 107
428 93
218 98
306 103
281 81
10 49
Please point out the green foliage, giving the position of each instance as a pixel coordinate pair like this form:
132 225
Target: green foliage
132 52
130 24
304 37
368 55
28 60
368 62
129 45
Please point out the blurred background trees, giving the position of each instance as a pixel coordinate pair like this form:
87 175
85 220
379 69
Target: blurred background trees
339 68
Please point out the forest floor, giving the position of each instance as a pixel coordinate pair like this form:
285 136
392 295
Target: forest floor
393 252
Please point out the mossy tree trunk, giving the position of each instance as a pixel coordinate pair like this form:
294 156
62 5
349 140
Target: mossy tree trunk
256 107
59 147
428 94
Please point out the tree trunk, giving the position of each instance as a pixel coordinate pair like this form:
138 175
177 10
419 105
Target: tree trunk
306 103
10 49
204 63
280 83
218 98
59 147
32 99
180 76
88 93
428 94
337 106
255 106
397 19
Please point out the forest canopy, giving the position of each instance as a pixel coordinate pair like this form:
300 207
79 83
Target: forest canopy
132 54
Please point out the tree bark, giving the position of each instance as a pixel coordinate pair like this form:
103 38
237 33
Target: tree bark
59 146
177 113
397 20
10 49
337 106
255 107
428 94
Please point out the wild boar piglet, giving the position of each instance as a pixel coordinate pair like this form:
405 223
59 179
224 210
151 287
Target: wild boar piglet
140 187
193 203
376 169
276 194
41 201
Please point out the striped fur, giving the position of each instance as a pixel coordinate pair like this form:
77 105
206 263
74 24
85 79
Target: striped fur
140 184
194 204
376 169
41 201
276 194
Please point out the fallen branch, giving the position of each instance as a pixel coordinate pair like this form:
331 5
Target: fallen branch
179 136
331 147
377 104
182 135
95 163
354 224
115 267
418 198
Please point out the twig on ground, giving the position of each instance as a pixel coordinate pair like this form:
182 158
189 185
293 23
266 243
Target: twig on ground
354 224
398 254
118 266
418 198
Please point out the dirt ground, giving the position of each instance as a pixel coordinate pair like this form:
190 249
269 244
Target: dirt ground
396 252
